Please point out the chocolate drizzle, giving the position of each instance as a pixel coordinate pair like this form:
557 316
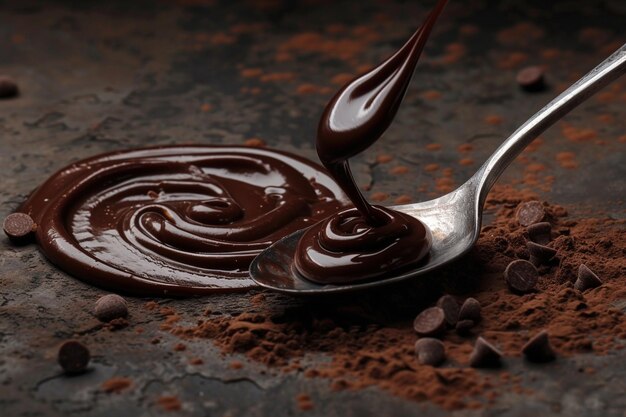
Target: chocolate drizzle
178 220
369 241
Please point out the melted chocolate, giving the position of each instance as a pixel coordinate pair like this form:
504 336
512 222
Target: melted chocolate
369 241
346 248
178 220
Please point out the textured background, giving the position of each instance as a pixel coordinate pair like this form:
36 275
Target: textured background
101 76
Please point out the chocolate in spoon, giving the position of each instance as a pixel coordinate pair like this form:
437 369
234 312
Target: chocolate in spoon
455 218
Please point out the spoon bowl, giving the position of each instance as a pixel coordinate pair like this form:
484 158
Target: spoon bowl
454 219
452 236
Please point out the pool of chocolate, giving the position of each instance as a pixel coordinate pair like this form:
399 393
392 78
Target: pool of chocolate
176 220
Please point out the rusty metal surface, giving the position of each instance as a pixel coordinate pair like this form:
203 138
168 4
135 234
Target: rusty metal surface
96 77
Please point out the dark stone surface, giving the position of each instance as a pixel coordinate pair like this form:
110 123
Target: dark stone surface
100 76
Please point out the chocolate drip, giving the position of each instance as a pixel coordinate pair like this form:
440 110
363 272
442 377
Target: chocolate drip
176 220
364 244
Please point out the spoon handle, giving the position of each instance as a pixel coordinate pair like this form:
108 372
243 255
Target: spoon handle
609 70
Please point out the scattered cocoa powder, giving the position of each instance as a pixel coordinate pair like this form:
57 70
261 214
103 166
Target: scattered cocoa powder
344 47
493 119
431 167
550 53
567 160
444 184
379 197
307 88
453 53
534 145
116 384
277 76
511 60
170 320
468 30
221 38
169 402
535 168
342 79
594 36
606 97
370 341
247 28
403 199
116 324
433 146
605 118
251 72
362 69
304 402
180 347
465 147
577 134
258 299
255 142
399 170
384 158
431 95
151 305
236 365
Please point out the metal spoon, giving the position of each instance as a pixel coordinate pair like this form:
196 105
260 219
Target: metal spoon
455 218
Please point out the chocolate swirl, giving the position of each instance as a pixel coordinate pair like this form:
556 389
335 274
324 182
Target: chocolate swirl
346 248
177 220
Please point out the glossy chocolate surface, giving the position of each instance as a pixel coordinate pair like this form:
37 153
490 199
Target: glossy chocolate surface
177 220
345 248
369 241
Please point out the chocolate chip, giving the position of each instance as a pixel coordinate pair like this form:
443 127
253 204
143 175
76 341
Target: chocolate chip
18 227
464 327
110 307
586 279
430 322
530 212
430 351
540 232
521 276
470 310
450 308
539 254
8 87
538 348
484 355
531 79
73 357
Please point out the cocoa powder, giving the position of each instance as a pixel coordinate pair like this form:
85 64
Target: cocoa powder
169 403
370 341
116 384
